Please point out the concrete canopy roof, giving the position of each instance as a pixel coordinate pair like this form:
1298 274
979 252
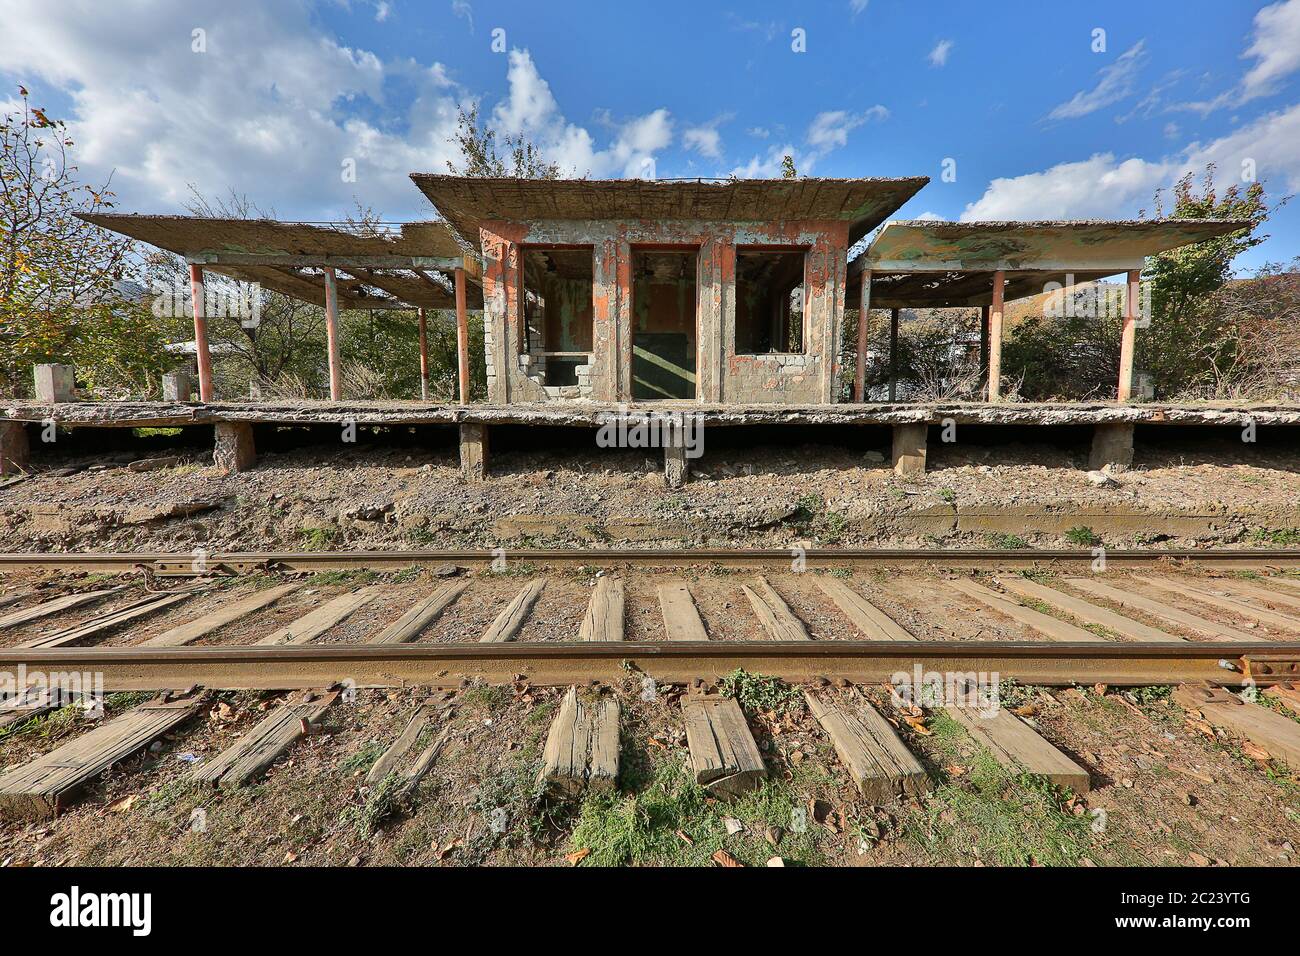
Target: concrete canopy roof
935 264
468 201
287 256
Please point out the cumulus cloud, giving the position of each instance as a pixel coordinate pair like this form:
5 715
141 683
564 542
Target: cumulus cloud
828 131
1104 186
1116 83
939 55
274 108
462 9
1275 48
529 108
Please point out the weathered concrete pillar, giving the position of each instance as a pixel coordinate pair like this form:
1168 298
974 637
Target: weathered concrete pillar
234 450
14 448
55 383
1112 444
677 467
176 387
473 452
909 448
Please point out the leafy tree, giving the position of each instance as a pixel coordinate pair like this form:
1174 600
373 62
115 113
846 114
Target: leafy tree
479 155
64 284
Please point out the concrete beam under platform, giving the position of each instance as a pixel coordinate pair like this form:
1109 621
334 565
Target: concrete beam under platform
234 449
473 452
910 448
1112 445
592 414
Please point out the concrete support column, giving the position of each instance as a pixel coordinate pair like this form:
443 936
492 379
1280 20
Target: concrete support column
424 356
893 355
202 355
677 467
55 383
1128 335
473 452
462 338
864 323
995 336
910 448
234 449
332 335
15 451
1112 444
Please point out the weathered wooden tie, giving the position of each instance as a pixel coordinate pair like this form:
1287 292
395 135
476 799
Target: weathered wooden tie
1279 735
250 756
512 617
773 613
724 757
1287 693
32 701
315 623
414 622
205 625
1139 602
681 617
410 735
1269 596
1018 747
42 788
67 602
1086 612
1044 624
582 748
866 617
878 761
1231 605
604 619
110 621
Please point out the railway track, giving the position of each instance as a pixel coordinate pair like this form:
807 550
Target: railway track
240 562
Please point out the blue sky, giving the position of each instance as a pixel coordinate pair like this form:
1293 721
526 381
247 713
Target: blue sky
1038 114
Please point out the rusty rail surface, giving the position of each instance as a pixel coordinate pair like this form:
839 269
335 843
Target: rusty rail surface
562 663
239 562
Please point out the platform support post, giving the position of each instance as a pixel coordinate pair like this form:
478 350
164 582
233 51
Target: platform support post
233 449
473 451
893 355
910 447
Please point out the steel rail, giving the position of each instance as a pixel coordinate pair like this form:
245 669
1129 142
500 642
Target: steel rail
235 562
562 663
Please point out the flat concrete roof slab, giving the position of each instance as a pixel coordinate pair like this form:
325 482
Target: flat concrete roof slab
468 201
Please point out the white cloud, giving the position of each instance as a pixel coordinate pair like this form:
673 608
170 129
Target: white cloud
1275 47
382 11
705 140
831 129
939 55
1115 83
759 132
857 6
1104 186
828 131
929 217
530 108
769 166
462 9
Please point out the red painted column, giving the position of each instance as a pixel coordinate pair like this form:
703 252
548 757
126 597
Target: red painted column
462 338
206 393
1128 336
332 335
424 357
995 336
864 320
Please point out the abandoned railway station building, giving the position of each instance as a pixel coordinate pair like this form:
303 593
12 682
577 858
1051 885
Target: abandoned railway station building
741 302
